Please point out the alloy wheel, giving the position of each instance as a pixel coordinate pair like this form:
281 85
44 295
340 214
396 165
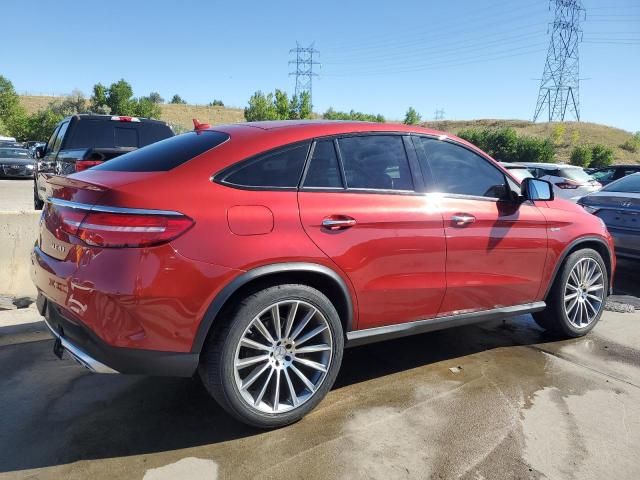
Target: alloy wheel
283 356
584 292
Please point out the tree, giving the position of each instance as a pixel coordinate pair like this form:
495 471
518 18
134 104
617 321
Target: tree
98 100
581 156
217 103
155 97
305 108
118 99
601 156
177 99
260 107
412 117
332 114
281 105
9 100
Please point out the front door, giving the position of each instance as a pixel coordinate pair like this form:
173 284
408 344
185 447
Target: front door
496 249
359 206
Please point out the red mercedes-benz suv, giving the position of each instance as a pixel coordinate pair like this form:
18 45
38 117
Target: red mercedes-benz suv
254 253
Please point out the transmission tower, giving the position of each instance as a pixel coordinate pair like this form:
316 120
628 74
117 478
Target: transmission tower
560 83
304 69
438 114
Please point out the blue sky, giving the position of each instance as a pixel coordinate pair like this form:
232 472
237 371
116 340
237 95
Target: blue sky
472 58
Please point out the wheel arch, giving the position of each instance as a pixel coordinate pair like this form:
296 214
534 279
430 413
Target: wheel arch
595 243
314 275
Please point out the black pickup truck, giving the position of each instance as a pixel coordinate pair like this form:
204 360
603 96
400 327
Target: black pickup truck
85 140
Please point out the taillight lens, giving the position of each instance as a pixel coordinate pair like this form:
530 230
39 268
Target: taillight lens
567 185
102 229
85 164
131 230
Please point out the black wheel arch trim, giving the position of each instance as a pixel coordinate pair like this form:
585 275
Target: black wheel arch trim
571 247
238 282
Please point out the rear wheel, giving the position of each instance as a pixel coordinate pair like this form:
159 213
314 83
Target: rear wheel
577 297
277 357
37 203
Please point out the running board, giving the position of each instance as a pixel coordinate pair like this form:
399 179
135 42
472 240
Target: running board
369 335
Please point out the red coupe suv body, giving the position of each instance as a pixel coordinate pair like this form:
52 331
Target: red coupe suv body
145 264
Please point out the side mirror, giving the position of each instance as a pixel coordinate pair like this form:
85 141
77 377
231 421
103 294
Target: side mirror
39 152
536 189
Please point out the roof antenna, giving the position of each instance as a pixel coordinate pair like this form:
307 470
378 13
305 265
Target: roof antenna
197 126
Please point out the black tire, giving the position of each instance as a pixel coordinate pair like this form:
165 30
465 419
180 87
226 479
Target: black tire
218 371
554 318
37 203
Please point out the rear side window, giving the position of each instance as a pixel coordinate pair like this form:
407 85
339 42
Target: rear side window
279 168
324 171
107 133
166 154
377 162
460 171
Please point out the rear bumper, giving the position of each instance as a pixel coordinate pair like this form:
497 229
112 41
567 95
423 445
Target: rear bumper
627 243
94 354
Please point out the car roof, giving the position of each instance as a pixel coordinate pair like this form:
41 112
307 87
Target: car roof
99 116
281 132
513 165
549 166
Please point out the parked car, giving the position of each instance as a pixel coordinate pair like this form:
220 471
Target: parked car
253 253
16 162
517 170
86 140
606 175
618 205
569 182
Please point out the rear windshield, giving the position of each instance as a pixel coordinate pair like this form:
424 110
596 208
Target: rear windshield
630 184
576 174
166 154
101 133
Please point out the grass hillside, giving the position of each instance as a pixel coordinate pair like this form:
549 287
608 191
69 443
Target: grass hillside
176 114
575 133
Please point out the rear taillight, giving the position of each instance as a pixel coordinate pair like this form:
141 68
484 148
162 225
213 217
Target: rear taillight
84 164
106 229
567 185
131 230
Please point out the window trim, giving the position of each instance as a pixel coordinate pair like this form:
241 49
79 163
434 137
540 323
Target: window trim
483 157
379 191
219 177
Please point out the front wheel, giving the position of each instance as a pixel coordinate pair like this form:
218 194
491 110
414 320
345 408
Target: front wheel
277 356
577 297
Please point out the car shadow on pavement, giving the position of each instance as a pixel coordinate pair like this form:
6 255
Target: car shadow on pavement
55 413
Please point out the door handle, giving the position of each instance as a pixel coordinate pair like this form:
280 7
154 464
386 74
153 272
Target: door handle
461 219
338 222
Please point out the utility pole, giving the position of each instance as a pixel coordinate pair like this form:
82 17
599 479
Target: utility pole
438 114
304 63
560 83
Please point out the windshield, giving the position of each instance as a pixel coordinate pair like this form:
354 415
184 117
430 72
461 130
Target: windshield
520 173
14 153
630 184
576 174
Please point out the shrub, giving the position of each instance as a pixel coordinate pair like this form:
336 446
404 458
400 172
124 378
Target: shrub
178 100
601 156
633 143
581 156
504 144
558 133
332 114
217 103
532 149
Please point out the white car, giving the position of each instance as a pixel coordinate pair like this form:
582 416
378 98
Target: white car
569 182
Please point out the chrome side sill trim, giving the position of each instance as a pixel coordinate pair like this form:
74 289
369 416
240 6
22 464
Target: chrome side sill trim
108 209
78 355
369 335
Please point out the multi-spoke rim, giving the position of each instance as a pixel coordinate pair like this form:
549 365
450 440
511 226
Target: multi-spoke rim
283 356
584 292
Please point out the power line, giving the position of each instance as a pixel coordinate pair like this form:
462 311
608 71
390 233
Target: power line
304 73
560 84
438 114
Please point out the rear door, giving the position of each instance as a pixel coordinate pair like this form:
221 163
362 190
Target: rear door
359 204
496 250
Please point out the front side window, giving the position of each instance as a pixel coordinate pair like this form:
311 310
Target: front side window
460 171
280 168
324 170
52 140
376 162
